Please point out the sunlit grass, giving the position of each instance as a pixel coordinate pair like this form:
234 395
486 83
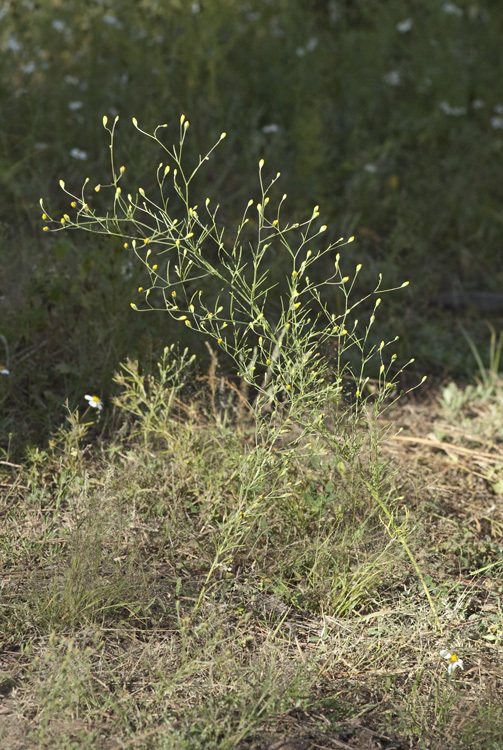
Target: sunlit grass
142 598
176 573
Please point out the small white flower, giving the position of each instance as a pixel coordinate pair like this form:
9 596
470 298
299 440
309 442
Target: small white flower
393 78
370 168
58 25
271 128
452 10
76 153
311 45
12 44
29 68
95 402
498 108
478 104
111 20
454 661
404 26
452 111
3 370
74 106
127 270
497 123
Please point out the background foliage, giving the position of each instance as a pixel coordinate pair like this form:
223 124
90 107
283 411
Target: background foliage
388 115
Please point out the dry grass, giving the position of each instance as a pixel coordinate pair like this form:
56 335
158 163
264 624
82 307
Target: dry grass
144 606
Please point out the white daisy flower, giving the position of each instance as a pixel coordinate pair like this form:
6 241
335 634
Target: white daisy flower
58 25
3 370
29 68
453 659
12 44
452 10
77 153
393 78
95 402
452 111
271 128
404 26
111 20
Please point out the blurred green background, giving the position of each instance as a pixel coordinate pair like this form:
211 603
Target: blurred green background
389 115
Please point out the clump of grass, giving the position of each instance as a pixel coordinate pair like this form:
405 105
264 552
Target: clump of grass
153 605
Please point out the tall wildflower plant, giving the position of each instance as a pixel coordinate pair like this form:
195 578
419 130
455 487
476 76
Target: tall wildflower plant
280 357
287 346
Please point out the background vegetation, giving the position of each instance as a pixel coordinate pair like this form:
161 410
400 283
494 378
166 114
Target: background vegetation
154 595
387 115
